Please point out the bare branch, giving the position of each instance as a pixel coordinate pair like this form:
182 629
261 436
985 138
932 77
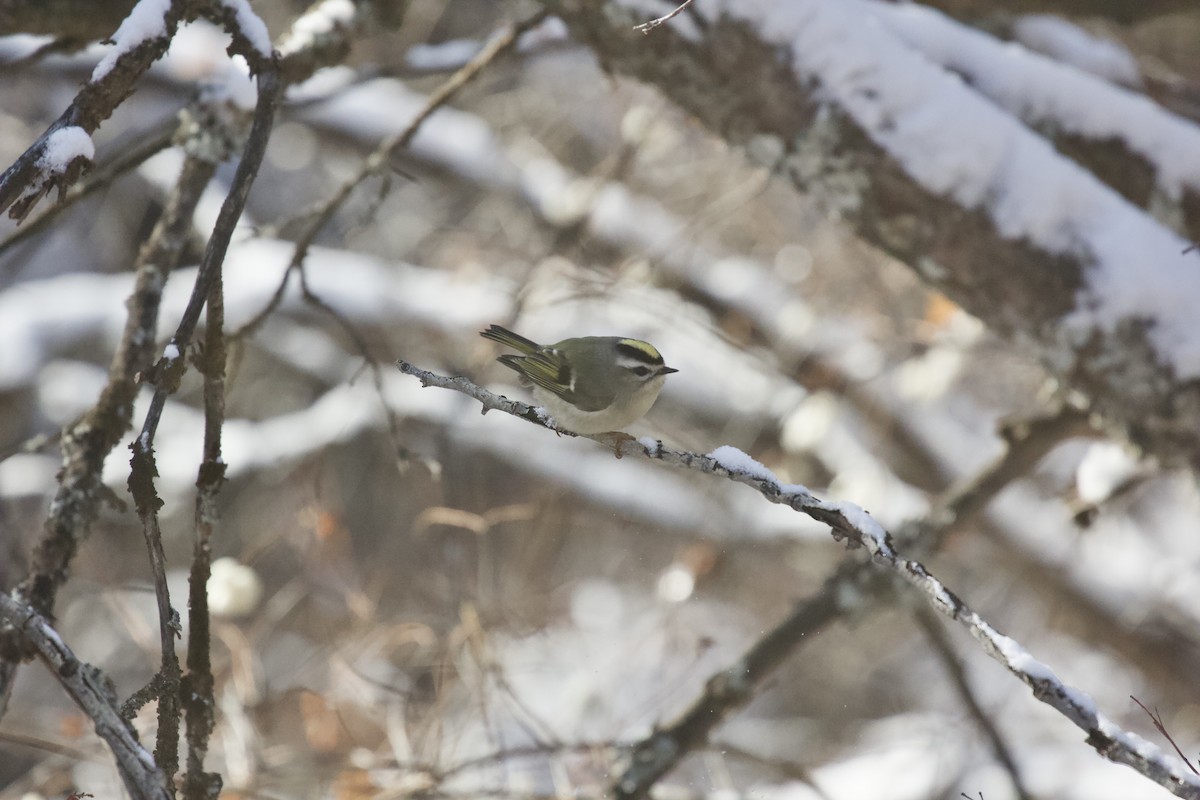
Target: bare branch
93 693
1156 718
734 686
1028 442
197 688
175 224
380 160
646 27
169 369
294 46
374 164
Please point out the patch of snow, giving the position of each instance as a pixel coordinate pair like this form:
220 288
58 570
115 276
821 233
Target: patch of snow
251 26
957 143
736 461
1104 467
1065 41
318 21
64 146
146 21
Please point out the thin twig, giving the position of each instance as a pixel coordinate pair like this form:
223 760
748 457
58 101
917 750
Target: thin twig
731 688
378 161
1027 443
176 223
198 683
1156 718
646 27
374 164
169 370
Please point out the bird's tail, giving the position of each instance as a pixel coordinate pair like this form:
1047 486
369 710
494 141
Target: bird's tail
506 337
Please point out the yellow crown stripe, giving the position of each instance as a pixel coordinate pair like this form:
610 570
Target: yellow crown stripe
645 348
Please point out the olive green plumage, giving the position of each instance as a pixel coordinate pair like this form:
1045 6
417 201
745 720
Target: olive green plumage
589 384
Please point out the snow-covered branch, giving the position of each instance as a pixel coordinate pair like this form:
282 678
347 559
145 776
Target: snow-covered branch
64 151
250 37
61 155
854 524
930 171
1148 154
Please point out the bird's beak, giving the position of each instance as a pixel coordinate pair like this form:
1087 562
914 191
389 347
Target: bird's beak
666 370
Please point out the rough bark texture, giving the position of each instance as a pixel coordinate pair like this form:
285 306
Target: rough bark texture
739 87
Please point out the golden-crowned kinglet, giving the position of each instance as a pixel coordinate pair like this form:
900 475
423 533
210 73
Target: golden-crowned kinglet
592 384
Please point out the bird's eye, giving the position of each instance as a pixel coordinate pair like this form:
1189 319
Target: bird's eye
641 372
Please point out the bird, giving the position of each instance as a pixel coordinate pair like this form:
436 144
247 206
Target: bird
588 384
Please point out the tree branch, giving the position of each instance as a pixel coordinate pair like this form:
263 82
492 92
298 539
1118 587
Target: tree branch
832 117
94 694
852 524
47 164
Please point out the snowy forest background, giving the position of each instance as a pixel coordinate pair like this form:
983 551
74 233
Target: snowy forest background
932 260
